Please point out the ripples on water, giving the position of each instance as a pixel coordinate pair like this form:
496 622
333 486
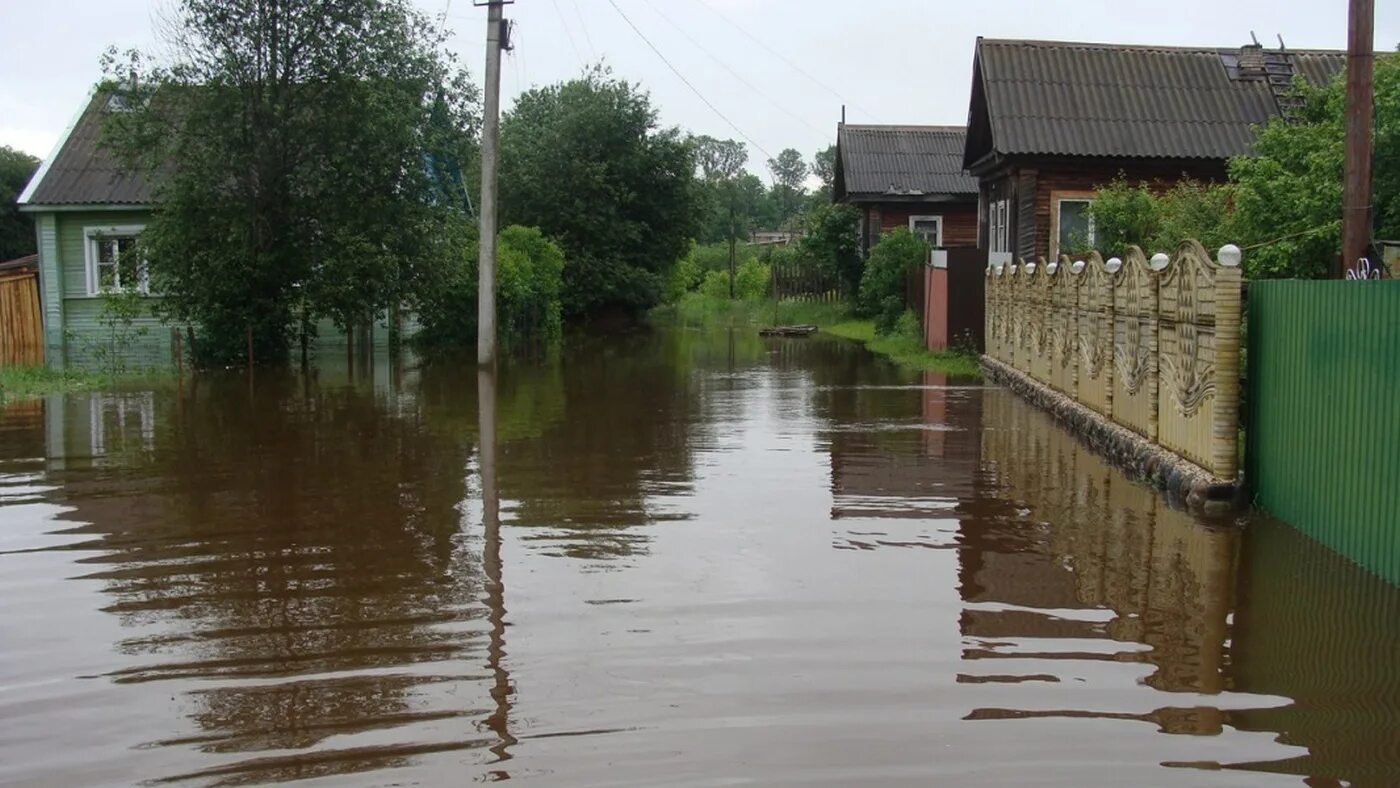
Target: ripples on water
692 559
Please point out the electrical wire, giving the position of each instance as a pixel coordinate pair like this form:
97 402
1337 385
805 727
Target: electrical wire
781 57
737 75
687 82
583 25
565 23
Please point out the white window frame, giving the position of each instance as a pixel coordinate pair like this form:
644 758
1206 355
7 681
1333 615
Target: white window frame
91 237
936 219
1057 201
998 235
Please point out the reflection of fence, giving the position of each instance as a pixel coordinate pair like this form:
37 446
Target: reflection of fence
21 327
799 282
1153 347
1324 435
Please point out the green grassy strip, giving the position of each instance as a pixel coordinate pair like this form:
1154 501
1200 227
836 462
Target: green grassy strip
30 381
835 319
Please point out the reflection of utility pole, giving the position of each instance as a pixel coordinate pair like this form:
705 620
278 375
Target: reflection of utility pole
1356 197
497 39
499 721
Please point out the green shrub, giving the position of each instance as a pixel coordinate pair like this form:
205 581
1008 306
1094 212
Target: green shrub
753 281
685 276
715 284
529 284
882 285
832 244
1158 221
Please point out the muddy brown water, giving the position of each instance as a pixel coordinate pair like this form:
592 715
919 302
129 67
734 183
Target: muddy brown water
690 559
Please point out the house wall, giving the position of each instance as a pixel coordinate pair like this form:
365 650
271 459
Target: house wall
72 318
1030 184
959 220
79 314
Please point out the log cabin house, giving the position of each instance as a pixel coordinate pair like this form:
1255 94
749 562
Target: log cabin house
1049 121
907 176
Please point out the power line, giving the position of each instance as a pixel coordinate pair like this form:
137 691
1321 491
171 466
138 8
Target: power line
736 74
781 57
569 33
687 82
583 25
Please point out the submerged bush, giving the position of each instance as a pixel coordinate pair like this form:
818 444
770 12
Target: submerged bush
529 283
882 284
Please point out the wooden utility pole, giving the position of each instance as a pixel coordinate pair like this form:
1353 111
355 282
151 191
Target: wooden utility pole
496 40
1356 195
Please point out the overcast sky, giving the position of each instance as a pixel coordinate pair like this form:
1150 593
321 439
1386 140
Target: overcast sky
889 61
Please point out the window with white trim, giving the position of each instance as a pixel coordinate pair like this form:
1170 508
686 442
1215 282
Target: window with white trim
113 263
929 228
998 230
1074 225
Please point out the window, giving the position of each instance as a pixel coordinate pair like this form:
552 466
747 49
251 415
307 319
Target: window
998 230
113 264
929 228
1074 225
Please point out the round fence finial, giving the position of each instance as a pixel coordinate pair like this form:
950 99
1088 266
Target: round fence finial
1229 256
1113 265
1159 261
1077 266
1052 267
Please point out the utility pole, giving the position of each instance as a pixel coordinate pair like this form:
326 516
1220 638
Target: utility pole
1356 195
497 39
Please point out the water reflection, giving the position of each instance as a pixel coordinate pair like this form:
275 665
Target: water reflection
614 564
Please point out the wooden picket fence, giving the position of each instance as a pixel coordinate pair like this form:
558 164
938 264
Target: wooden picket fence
797 282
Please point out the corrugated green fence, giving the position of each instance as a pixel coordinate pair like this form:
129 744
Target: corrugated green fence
1324 413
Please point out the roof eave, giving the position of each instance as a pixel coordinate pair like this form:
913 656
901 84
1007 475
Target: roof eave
75 207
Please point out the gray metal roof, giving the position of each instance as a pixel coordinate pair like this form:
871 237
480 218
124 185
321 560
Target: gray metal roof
1083 99
904 161
82 173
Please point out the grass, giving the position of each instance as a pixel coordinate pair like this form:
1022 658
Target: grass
36 380
905 348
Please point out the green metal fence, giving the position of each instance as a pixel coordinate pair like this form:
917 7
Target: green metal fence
1324 413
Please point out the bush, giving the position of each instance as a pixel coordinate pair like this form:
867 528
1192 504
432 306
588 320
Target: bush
715 285
753 281
685 276
832 244
1126 214
529 284
882 285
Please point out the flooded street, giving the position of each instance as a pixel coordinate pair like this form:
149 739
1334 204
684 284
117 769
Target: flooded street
690 559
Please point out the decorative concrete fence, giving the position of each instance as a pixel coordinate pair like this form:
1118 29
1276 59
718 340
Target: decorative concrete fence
1152 346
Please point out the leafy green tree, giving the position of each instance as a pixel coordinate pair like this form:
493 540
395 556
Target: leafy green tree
882 285
586 162
832 244
300 151
789 171
824 167
1288 196
1159 220
16 229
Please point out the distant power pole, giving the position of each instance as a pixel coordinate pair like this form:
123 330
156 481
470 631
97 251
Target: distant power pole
1356 195
497 39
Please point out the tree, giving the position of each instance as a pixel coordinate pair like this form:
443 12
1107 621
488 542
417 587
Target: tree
789 171
300 151
832 244
824 167
586 162
719 160
1288 196
16 229
887 270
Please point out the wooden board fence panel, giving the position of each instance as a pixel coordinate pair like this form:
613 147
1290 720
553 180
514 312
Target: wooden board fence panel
21 323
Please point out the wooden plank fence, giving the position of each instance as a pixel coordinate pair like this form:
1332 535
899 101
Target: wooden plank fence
797 282
21 323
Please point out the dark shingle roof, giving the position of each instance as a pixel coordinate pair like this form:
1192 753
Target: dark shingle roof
902 160
1080 99
82 173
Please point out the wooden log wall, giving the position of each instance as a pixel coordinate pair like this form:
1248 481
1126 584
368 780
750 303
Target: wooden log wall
1153 345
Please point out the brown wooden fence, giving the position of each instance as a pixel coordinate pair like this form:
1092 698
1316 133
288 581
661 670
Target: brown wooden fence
796 282
21 324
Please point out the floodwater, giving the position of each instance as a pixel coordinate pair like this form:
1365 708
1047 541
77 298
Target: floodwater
672 558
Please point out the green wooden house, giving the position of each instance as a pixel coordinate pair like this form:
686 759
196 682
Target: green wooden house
88 212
